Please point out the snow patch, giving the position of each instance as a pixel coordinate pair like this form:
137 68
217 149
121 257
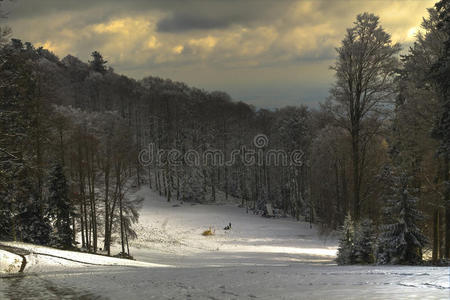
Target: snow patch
45 259
9 262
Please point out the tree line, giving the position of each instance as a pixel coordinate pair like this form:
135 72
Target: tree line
71 133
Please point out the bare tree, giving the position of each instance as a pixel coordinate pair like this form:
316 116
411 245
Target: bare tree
364 87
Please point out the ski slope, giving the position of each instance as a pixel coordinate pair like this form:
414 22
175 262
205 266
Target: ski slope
258 258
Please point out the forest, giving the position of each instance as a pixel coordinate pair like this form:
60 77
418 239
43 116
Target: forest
376 151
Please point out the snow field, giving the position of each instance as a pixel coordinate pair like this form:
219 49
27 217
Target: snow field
258 258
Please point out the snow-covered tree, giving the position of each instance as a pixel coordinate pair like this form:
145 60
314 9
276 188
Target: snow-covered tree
364 242
418 111
365 70
346 250
20 129
401 240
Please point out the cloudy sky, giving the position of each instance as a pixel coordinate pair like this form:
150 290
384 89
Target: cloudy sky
269 53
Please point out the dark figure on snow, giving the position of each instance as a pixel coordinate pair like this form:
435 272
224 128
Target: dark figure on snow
228 227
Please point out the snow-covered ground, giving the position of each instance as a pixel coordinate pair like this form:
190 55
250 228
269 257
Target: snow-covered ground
259 258
170 233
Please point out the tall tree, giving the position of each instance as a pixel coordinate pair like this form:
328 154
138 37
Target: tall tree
416 111
60 207
441 75
364 85
401 241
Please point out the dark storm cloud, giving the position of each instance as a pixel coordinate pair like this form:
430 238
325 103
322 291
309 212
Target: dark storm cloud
186 22
219 14
236 10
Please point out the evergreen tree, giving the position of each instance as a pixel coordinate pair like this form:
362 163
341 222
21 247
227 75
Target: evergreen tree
401 241
346 250
98 63
441 75
60 208
364 242
32 225
16 124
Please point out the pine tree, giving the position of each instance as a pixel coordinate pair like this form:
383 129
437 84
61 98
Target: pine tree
98 63
440 74
16 124
364 242
60 208
346 251
401 241
32 225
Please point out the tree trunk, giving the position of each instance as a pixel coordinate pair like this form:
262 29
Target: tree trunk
447 206
178 188
74 232
338 193
345 197
83 241
128 246
107 243
356 175
113 207
150 178
435 256
159 182
91 185
122 237
87 227
226 183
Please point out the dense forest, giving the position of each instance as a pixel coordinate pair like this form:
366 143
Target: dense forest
375 153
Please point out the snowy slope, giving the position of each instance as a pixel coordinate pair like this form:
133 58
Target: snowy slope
44 259
171 229
259 258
